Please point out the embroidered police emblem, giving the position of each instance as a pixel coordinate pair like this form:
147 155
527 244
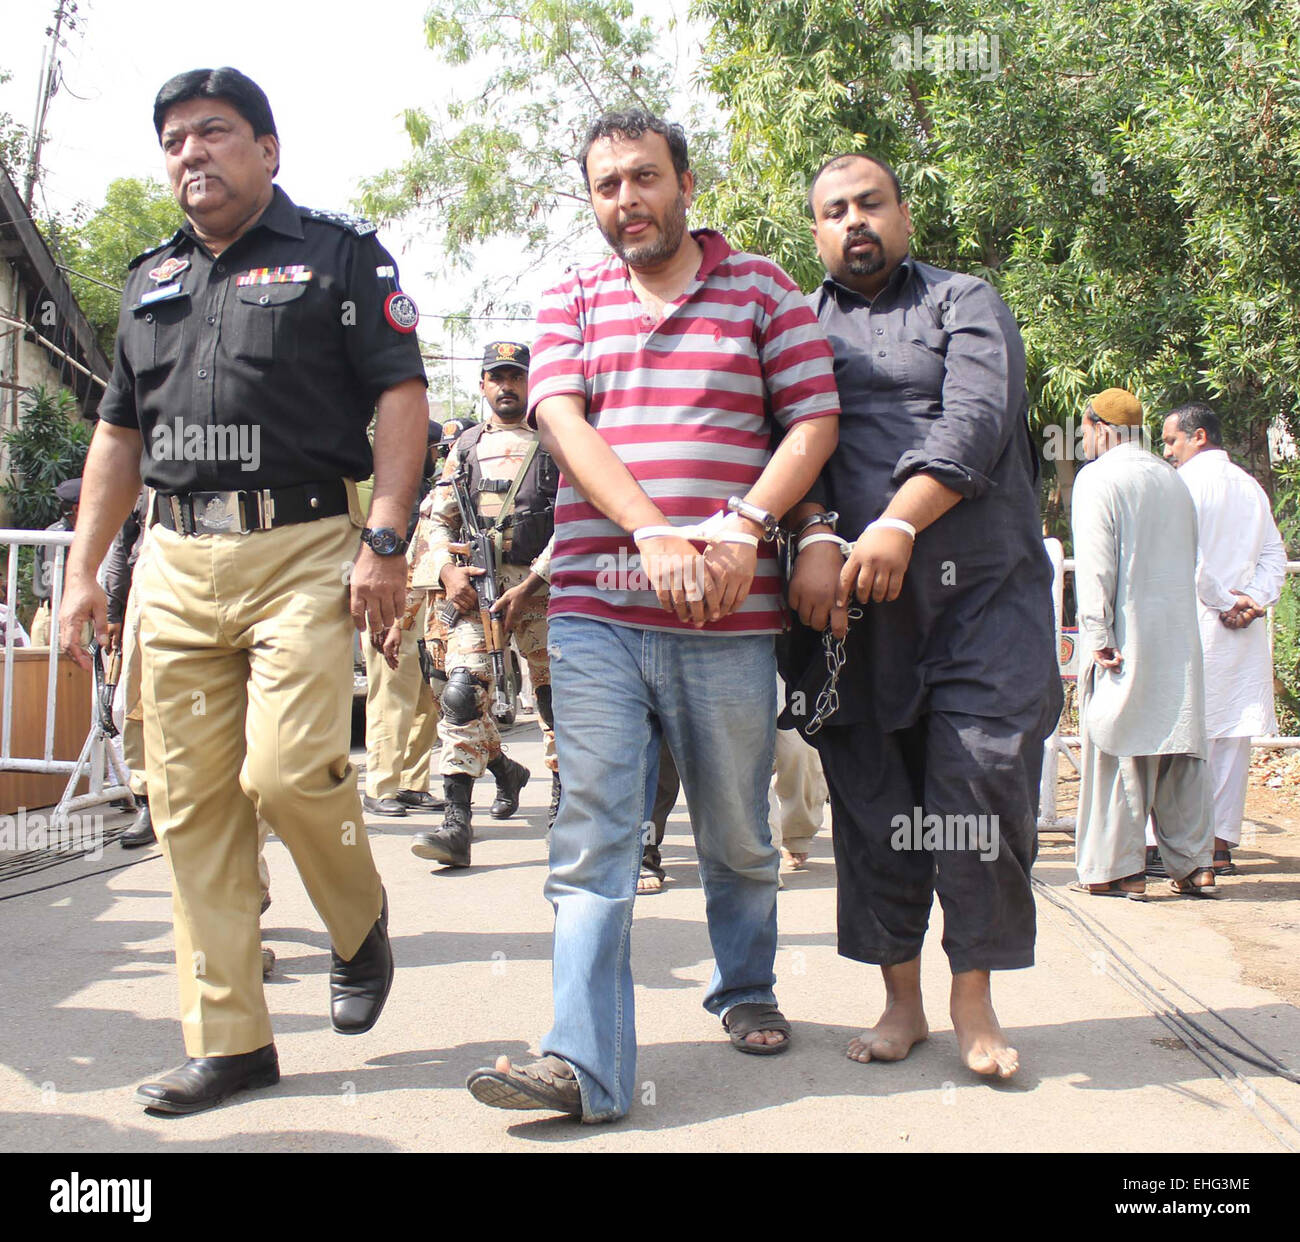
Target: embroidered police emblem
401 312
165 271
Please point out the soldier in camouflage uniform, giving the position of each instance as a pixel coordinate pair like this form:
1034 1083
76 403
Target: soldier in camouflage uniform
498 452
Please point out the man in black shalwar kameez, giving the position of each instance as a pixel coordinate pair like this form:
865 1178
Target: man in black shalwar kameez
951 684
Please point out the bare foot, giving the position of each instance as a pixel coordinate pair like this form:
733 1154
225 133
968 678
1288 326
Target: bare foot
981 1041
795 860
903 1022
648 882
900 1027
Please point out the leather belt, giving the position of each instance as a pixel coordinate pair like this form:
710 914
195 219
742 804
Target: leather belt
240 513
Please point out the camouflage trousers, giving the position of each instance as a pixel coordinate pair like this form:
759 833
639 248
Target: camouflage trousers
469 748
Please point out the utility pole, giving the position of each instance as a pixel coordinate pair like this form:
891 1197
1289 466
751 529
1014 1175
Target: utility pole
66 13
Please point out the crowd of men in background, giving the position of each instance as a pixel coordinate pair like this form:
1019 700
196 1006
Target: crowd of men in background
695 474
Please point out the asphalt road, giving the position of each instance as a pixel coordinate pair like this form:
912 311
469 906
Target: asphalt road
88 992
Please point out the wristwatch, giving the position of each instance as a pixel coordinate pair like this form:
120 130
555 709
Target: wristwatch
383 541
768 521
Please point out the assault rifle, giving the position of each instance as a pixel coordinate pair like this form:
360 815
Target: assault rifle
479 550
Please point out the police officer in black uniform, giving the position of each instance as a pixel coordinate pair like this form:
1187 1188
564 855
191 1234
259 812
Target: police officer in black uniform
252 350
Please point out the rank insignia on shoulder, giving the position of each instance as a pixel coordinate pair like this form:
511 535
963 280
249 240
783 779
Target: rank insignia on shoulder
387 271
165 271
355 224
401 312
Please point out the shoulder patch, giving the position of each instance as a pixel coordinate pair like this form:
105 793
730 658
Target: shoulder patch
354 224
153 250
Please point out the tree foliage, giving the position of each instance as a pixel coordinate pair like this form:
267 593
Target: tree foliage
13 140
1128 176
136 216
48 446
522 81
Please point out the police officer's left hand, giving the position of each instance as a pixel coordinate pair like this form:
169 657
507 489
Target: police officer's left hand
391 646
510 604
378 590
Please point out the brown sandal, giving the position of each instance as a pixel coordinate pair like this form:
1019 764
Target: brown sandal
549 1083
742 1020
1188 887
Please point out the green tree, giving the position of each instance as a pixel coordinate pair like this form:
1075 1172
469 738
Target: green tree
495 159
48 446
136 215
1127 174
13 140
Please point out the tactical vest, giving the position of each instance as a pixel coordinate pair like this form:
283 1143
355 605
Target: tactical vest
531 519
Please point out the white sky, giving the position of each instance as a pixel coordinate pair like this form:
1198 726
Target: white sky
338 77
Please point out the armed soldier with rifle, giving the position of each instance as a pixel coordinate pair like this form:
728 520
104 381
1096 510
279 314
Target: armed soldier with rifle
482 530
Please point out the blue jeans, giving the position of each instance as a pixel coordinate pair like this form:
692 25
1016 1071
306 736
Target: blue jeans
616 689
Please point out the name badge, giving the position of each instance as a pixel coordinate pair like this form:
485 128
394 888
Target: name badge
161 294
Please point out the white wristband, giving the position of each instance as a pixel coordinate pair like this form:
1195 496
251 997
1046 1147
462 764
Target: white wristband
655 532
844 545
891 523
737 536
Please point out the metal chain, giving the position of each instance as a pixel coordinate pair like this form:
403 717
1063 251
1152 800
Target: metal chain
828 699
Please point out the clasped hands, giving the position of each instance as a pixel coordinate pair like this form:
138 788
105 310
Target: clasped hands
824 580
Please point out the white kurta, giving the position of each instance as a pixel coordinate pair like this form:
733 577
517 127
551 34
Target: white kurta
1135 556
1239 548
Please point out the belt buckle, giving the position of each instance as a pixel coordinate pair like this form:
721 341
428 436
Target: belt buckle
216 513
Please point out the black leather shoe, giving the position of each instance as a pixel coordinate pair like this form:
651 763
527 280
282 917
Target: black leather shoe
419 801
449 844
359 987
383 806
141 832
203 1082
511 777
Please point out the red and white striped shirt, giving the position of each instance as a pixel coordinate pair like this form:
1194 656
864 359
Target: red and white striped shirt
688 404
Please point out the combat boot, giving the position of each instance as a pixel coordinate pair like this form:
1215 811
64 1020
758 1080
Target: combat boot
511 777
555 801
450 843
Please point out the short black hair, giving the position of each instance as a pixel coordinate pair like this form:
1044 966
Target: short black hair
1197 415
843 160
237 89
632 123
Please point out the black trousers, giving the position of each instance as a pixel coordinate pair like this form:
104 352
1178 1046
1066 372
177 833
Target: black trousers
666 792
949 805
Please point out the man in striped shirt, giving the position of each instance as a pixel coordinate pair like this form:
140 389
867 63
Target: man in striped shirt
660 379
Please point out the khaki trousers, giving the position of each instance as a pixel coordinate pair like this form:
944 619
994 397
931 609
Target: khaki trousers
796 799
132 703
401 718
247 645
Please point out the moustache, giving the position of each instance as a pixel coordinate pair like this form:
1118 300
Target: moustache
862 235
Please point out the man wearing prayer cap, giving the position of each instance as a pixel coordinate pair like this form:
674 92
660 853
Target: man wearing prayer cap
1141 692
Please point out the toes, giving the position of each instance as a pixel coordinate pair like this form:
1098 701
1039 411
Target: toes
858 1051
503 1065
1008 1060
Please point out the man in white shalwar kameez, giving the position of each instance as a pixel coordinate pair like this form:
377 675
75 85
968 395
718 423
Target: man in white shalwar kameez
1240 569
1141 695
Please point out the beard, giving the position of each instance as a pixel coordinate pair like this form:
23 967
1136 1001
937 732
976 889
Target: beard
864 264
670 232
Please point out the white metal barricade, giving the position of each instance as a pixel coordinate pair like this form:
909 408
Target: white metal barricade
98 761
1058 745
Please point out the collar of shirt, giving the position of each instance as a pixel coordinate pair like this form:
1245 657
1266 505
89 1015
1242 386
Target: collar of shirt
897 280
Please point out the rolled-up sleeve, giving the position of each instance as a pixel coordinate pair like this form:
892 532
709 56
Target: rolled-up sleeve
983 396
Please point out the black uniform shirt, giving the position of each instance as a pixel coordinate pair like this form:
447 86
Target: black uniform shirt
931 376
260 367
